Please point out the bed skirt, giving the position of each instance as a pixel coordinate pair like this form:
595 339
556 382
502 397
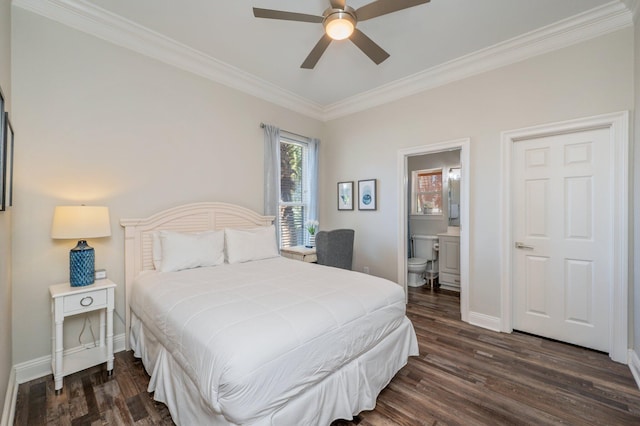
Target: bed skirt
346 392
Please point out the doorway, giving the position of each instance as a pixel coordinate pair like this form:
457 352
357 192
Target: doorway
564 247
404 206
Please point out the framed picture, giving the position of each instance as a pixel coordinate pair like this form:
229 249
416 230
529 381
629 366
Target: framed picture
3 154
367 194
345 195
8 163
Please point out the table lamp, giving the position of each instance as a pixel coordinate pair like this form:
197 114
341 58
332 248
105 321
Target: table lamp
81 222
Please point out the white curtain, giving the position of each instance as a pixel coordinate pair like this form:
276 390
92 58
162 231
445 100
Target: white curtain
314 145
272 175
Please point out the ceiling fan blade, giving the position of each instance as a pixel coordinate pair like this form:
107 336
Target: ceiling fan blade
316 53
338 4
368 46
383 7
287 16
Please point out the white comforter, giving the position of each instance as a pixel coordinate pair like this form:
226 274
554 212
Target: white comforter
254 335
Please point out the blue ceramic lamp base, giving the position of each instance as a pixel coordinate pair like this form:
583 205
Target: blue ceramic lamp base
82 265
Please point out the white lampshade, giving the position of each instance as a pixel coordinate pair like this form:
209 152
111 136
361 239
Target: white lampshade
339 26
80 222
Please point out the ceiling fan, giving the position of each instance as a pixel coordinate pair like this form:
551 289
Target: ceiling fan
340 22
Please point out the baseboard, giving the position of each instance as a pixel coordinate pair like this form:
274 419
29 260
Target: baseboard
450 288
484 321
9 410
634 366
40 367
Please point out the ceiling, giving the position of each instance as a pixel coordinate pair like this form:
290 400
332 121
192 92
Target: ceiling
270 52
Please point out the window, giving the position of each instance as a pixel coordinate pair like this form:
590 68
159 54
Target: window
427 192
294 191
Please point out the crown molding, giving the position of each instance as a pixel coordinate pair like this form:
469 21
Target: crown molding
590 24
86 17
634 7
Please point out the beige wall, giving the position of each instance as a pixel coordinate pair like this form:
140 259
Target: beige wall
5 217
590 78
102 125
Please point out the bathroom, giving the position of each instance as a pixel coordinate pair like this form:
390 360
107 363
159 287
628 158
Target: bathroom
434 220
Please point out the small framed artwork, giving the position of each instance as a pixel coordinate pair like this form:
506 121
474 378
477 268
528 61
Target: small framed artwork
3 154
8 163
345 195
367 194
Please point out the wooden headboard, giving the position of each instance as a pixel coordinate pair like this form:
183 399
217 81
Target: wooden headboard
196 217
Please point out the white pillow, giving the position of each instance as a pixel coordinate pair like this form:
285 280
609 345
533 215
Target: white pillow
244 245
186 251
157 250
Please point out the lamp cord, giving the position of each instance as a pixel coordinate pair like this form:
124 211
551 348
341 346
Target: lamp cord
87 318
84 325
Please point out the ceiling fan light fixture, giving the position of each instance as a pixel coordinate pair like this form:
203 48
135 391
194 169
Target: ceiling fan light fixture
339 21
339 25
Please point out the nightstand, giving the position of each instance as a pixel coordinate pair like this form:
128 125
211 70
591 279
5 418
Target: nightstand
303 253
67 301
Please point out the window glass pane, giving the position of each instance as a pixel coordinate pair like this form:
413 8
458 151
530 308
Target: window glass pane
291 225
427 187
430 182
291 178
430 202
293 193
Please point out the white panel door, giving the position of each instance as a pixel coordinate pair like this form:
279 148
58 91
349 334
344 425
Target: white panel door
563 243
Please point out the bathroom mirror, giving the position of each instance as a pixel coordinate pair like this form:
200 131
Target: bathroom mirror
454 196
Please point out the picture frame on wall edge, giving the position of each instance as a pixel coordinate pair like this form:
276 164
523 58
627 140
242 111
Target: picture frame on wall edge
3 161
8 162
345 195
367 198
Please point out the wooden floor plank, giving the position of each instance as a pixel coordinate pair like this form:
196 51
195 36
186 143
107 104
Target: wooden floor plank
464 375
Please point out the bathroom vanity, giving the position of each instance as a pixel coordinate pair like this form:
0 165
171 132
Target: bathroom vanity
449 261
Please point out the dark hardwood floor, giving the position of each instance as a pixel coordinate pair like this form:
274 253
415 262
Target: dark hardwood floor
464 376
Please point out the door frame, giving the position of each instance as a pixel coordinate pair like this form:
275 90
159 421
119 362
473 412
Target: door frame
618 125
464 146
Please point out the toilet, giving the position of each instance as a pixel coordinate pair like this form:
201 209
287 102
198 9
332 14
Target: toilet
422 266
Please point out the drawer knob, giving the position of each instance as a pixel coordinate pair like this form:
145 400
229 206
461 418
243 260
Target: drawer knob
86 301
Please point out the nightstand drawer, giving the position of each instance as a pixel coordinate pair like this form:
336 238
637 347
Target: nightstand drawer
88 301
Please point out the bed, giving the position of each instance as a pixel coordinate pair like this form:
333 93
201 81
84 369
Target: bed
254 338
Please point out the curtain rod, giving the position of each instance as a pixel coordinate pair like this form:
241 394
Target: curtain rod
286 131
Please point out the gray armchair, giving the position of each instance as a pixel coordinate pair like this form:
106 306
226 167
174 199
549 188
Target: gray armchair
335 248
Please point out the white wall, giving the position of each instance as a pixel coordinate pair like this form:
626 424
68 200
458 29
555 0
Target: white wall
98 124
5 217
590 78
